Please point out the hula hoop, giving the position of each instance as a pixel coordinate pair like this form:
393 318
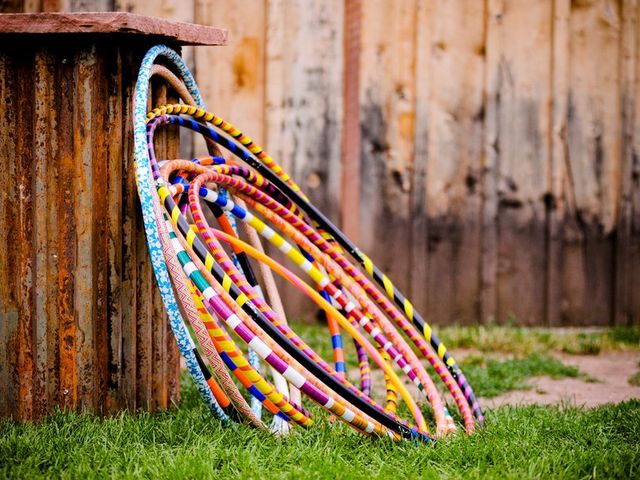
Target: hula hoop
209 272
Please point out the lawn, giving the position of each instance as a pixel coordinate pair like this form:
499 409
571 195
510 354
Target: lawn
185 442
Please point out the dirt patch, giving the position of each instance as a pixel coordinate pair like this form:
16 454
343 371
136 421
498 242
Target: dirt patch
610 372
608 381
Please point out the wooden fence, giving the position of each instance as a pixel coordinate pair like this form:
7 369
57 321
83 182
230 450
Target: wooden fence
495 173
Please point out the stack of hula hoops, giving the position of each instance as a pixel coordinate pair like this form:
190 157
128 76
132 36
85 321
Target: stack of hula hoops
205 219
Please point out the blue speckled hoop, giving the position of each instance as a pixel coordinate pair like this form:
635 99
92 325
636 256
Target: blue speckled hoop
146 193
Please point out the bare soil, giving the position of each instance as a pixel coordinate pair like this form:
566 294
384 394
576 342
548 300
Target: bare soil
608 381
610 373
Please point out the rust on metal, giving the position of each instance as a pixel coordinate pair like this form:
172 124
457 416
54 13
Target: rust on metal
81 326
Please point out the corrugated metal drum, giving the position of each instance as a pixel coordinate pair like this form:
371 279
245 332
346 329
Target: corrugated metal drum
81 323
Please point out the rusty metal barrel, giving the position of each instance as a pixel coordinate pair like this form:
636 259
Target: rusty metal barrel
81 324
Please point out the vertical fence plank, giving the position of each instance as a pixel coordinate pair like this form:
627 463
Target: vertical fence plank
90 5
350 175
304 101
521 89
99 204
232 79
448 239
593 162
183 11
627 253
560 201
275 79
307 41
18 268
9 312
489 239
634 298
418 274
387 96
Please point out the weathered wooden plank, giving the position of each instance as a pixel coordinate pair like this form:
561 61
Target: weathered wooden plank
275 87
419 272
489 258
90 5
232 80
350 171
304 101
183 11
62 320
67 253
40 212
51 6
387 96
521 90
306 60
634 298
448 167
560 201
627 251
594 147
8 309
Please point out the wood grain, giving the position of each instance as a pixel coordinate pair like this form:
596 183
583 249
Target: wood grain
387 97
448 170
499 142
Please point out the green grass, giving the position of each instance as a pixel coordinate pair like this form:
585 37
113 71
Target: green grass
492 377
517 442
488 376
635 378
522 442
521 340
507 339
